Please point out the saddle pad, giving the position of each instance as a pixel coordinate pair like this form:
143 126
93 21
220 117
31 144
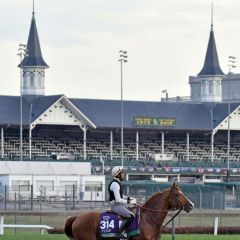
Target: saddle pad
110 222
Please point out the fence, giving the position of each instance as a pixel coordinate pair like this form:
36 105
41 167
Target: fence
203 197
43 220
25 198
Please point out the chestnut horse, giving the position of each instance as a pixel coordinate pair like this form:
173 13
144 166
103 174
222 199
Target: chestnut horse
152 214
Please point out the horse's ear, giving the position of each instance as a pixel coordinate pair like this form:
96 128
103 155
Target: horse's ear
175 184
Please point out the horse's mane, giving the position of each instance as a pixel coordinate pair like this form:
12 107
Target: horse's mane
156 197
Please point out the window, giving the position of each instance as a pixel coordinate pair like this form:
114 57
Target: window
93 186
20 185
31 76
218 89
211 85
25 83
47 185
39 79
67 183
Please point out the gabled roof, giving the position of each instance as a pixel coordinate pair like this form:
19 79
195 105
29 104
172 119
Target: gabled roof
34 58
10 108
7 103
211 64
58 110
220 112
41 104
107 113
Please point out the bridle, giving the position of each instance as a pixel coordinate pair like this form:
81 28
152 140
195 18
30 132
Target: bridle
160 210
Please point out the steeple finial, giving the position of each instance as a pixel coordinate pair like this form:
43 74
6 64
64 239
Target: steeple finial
212 17
33 12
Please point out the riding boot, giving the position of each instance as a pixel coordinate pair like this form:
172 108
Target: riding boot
124 226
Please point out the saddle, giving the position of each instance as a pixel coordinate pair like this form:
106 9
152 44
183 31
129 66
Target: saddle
110 222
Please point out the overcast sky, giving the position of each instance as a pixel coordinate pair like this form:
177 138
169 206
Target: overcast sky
166 42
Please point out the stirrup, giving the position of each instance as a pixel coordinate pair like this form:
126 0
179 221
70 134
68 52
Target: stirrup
121 236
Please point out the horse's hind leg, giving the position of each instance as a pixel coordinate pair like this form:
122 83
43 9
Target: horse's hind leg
80 232
84 236
85 227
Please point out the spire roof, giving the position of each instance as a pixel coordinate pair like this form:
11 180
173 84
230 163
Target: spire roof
211 64
34 58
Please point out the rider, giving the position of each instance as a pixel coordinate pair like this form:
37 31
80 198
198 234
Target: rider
118 200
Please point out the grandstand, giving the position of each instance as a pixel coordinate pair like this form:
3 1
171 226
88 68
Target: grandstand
45 146
189 133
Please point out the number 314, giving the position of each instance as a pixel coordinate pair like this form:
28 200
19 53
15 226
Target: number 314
106 224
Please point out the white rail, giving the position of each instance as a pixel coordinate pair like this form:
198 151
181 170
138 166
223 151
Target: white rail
2 226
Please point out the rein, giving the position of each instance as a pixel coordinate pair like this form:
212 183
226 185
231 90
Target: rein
150 209
159 210
163 226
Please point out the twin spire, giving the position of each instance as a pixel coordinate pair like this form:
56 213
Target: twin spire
34 58
33 65
211 65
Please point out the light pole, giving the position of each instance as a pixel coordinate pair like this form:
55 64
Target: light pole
122 59
231 64
22 52
212 136
166 94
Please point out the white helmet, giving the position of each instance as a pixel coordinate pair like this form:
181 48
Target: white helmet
116 170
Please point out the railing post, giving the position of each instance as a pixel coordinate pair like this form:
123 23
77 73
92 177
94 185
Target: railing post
173 229
1 224
42 231
215 226
73 199
31 197
65 198
5 197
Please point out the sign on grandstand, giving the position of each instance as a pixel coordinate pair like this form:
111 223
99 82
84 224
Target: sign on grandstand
153 121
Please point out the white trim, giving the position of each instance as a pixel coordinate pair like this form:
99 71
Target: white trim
80 119
81 113
235 121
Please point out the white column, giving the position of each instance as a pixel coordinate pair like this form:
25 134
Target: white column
212 146
162 144
188 147
2 143
111 145
30 142
137 145
85 143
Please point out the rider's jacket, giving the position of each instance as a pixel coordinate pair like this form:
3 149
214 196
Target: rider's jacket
116 192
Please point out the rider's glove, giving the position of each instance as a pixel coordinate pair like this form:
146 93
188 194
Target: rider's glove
131 200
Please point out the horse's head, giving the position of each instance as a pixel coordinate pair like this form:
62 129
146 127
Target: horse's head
178 200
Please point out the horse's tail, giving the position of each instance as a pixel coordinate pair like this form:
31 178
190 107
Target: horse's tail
56 230
68 227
